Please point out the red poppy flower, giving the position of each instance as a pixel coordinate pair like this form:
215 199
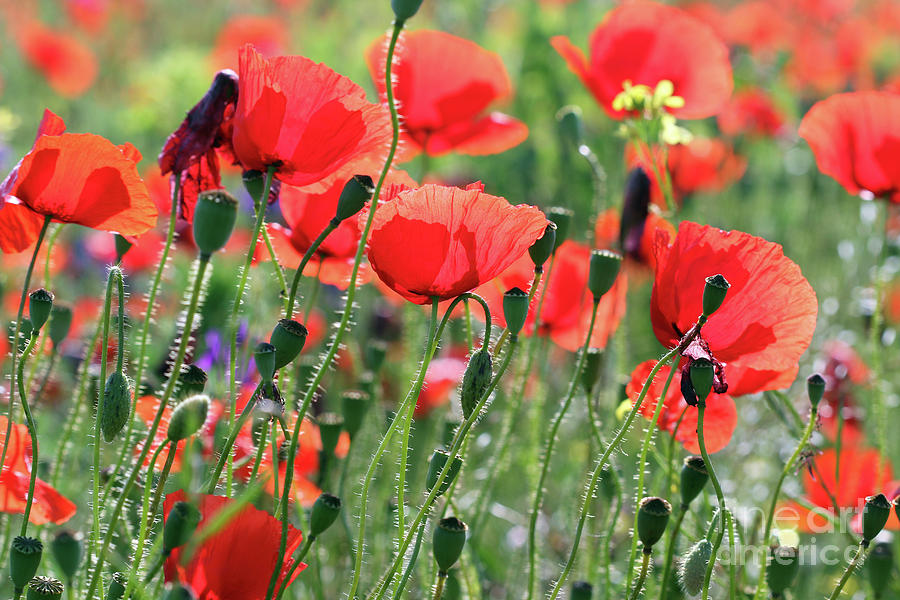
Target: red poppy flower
856 140
48 506
303 117
444 86
69 66
827 61
443 241
90 15
645 43
766 321
752 112
760 26
719 420
269 35
235 563
441 378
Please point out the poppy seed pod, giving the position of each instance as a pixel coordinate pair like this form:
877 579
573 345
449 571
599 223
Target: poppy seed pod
603 272
449 539
44 588
653 516
541 250
571 125
591 373
188 417
374 354
179 591
354 406
784 564
693 479
24 559
880 563
115 405
874 517
357 191
264 357
122 247
254 181
288 337
67 549
562 217
191 380
40 303
117 584
702 373
581 590
692 570
180 525
815 388
325 511
330 427
515 310
405 9
436 465
475 381
60 323
714 293
214 217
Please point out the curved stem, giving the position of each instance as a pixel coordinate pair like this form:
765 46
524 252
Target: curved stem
861 550
310 252
32 432
701 407
279 272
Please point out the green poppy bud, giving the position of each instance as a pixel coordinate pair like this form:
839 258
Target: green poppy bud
563 219
60 323
515 310
693 479
784 564
67 549
714 293
115 406
591 373
254 181
330 427
702 374
879 565
264 357
325 511
874 517
541 249
571 125
692 570
581 590
449 539
179 591
214 217
436 465
357 191
122 247
180 525
188 417
405 9
191 380
653 516
475 381
117 585
603 271
609 482
354 406
44 588
815 388
374 354
40 303
24 560
288 337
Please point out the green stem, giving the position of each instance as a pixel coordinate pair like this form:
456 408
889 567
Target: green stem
279 272
145 519
645 565
412 562
861 550
310 252
297 562
225 454
32 432
670 553
260 451
701 407
439 588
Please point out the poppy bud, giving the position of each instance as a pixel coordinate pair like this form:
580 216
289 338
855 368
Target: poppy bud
692 571
288 337
602 274
191 380
581 590
40 302
264 357
180 525
375 353
609 482
179 591
405 9
874 517
24 559
60 323
44 588
254 180
635 210
115 405
330 427
714 293
117 584
653 516
187 418
784 564
815 388
541 249
693 479
122 247
214 217
449 539
438 460
357 191
591 373
880 564
67 549
702 373
325 511
515 310
354 406
571 125
563 219
475 381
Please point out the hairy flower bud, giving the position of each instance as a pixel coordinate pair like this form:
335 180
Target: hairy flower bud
115 406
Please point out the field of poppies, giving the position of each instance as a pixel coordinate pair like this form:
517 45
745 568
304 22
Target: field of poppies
507 299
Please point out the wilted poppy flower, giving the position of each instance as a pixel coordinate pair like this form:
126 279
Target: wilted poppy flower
752 112
443 88
676 417
269 35
766 321
305 119
48 506
237 561
438 241
856 140
69 66
645 43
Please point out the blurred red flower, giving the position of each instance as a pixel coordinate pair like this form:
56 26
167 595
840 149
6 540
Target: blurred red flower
766 321
441 378
235 562
269 35
645 43
751 111
68 65
90 15
444 86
